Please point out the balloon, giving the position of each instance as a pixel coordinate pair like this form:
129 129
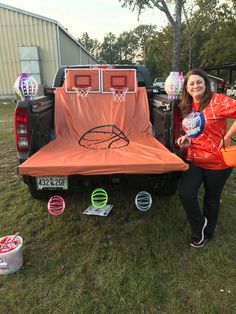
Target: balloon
26 86
173 84
193 124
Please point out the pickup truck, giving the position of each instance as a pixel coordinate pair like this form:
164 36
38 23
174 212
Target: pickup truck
36 118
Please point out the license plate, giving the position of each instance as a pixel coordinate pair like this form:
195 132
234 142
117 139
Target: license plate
52 183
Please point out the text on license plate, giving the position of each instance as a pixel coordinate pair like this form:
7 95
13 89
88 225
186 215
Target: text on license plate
52 183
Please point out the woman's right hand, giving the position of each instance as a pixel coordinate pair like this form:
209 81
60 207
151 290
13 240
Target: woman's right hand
184 141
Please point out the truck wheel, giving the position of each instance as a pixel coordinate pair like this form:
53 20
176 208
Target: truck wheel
168 188
38 194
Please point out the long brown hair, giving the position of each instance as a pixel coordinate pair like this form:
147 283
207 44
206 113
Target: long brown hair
186 99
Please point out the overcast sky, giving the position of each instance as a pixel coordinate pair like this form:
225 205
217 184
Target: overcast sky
96 17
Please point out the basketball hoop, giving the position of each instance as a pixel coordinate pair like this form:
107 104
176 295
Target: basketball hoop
119 94
82 91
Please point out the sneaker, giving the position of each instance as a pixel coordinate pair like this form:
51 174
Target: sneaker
199 241
195 242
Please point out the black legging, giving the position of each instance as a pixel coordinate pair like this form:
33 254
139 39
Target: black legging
214 181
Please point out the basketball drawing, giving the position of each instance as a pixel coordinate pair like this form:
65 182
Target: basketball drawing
104 137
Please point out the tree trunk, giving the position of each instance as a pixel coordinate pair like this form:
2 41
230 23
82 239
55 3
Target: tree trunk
177 36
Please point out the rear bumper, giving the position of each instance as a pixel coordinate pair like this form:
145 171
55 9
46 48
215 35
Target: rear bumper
144 181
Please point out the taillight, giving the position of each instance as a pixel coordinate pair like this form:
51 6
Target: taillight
177 126
22 129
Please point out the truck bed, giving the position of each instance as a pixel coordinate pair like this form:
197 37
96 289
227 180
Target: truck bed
95 135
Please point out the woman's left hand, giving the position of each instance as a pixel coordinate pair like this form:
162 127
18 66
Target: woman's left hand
225 141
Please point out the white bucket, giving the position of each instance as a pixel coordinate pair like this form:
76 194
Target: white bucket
11 261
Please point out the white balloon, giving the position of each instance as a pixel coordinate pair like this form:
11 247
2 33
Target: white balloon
173 84
26 87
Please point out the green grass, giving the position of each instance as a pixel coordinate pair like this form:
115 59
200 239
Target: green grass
128 262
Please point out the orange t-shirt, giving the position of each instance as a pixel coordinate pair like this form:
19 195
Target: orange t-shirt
204 150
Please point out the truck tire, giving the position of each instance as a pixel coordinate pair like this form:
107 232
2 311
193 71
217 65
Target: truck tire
37 194
169 187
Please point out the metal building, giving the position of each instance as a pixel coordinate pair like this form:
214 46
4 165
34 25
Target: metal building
34 44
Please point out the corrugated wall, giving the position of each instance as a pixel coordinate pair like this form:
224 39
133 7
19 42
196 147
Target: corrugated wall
71 53
18 29
21 29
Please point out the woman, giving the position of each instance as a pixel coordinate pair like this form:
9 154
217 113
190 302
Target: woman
204 123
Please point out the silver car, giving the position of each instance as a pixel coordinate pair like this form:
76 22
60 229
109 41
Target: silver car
159 84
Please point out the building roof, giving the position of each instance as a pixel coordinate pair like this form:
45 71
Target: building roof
222 66
47 20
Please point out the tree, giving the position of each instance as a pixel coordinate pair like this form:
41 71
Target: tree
144 35
91 45
174 20
213 25
221 46
158 53
126 46
109 50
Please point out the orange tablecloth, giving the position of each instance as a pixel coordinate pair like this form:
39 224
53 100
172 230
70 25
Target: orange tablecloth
120 140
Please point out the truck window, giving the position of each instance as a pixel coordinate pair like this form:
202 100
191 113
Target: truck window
140 78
